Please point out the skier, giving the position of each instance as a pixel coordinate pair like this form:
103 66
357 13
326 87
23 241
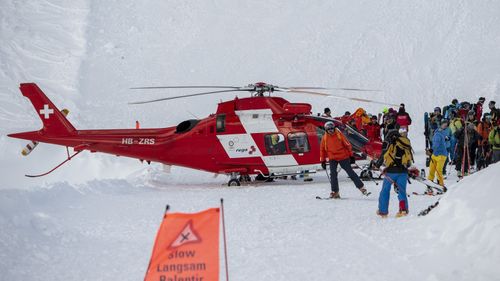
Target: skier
397 159
478 108
373 129
389 126
403 118
345 118
448 136
483 152
455 124
449 108
463 110
471 117
494 112
439 153
467 139
494 140
337 149
327 113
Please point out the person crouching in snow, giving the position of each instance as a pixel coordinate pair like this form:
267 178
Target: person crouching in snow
338 150
397 159
439 154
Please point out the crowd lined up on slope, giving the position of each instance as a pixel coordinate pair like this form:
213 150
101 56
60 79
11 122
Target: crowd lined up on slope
464 135
459 134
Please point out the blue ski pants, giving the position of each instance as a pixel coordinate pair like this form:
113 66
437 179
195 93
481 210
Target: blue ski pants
383 200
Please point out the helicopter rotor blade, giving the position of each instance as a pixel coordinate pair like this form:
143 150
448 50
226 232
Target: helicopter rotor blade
190 95
325 88
356 89
184 87
340 97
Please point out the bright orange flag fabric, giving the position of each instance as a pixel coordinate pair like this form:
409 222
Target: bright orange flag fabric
186 248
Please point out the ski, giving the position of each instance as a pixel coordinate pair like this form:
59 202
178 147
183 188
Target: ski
426 194
430 184
426 211
323 198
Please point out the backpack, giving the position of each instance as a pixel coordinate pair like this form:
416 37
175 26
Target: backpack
399 153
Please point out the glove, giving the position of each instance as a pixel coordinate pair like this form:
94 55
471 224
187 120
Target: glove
352 160
323 164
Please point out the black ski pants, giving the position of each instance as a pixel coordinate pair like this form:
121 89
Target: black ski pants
346 165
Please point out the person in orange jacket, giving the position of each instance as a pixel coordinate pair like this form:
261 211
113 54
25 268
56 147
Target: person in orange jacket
336 148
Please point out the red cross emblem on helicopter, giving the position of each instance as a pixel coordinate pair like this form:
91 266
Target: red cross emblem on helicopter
252 150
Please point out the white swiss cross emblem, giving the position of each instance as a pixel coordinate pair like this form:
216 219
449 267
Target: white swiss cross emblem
46 111
187 235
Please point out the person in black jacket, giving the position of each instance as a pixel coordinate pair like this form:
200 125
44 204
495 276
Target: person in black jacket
464 159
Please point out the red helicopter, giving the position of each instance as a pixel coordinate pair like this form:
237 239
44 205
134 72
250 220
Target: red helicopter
259 135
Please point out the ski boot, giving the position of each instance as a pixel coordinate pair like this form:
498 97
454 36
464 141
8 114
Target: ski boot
429 191
334 195
401 213
364 191
382 215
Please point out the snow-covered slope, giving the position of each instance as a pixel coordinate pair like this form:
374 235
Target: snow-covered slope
105 230
96 218
463 231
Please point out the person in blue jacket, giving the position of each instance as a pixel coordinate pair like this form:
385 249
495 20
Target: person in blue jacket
439 153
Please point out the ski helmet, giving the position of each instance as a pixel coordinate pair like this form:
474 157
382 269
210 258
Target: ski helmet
329 126
437 109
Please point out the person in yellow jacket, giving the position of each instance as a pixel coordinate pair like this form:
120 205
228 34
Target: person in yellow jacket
336 148
494 140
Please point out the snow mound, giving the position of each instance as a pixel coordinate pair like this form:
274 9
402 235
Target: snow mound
463 231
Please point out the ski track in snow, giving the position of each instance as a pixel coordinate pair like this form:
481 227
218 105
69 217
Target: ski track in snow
96 218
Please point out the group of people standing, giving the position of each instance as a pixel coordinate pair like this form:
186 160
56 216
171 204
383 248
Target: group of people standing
464 135
397 154
375 126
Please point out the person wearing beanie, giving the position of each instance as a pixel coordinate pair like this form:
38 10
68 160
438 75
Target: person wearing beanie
327 113
403 119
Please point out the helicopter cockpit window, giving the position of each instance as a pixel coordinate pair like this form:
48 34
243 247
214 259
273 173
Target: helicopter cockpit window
298 142
320 132
220 123
275 144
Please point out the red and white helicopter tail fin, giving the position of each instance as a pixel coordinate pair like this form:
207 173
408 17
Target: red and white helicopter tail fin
54 120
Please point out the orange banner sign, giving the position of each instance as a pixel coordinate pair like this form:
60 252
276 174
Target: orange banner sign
186 248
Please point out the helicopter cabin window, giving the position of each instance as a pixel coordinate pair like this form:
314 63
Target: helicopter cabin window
220 123
320 132
298 142
275 144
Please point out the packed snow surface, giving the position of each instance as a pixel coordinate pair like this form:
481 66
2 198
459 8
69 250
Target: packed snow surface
96 218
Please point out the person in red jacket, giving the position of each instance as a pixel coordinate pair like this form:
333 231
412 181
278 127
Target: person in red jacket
403 118
373 130
336 148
